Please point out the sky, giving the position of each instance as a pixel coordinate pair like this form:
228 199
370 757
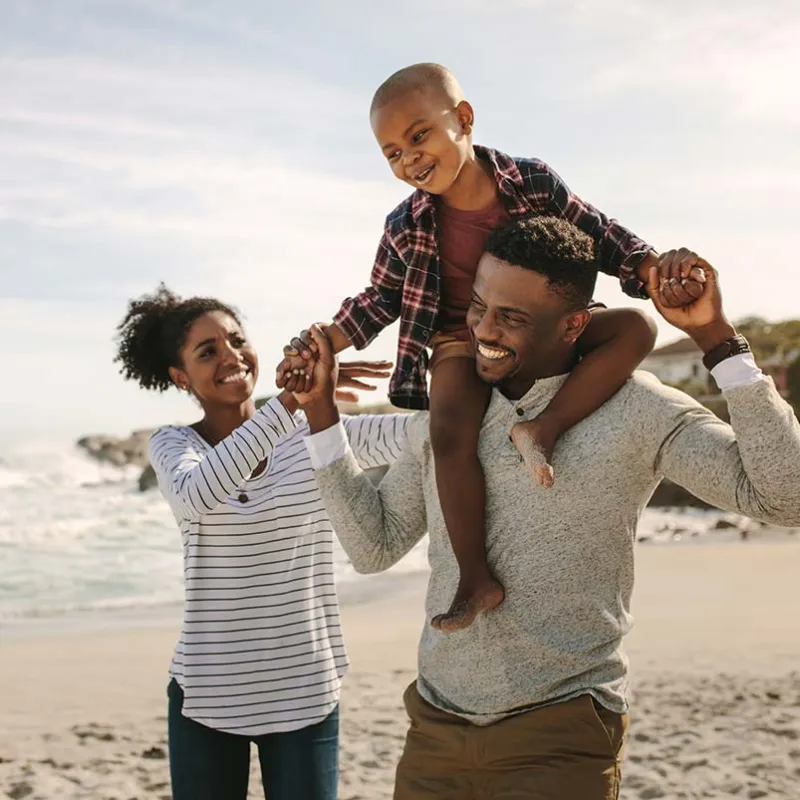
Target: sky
223 146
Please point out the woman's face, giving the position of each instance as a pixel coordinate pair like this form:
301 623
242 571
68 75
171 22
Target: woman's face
219 366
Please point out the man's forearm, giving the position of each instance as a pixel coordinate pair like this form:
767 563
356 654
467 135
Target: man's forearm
376 528
321 415
710 336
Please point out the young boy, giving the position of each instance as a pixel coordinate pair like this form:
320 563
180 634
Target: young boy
423 273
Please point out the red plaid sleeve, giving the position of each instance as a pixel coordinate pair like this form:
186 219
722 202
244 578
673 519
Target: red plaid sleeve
619 250
363 317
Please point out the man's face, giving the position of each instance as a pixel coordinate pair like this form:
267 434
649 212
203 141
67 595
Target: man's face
521 328
424 138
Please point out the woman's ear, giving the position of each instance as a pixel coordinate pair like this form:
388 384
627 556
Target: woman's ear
179 378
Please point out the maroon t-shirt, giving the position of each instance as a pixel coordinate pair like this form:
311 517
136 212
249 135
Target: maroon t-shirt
461 240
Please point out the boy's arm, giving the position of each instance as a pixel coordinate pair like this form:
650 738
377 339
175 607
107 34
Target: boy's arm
359 320
620 252
613 344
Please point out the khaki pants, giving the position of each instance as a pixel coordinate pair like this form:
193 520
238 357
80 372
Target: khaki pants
565 751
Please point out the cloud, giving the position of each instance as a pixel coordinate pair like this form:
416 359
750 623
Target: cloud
224 148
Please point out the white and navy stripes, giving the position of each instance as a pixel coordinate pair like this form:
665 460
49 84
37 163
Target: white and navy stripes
261 648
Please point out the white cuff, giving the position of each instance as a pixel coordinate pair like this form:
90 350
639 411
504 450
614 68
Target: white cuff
327 447
737 371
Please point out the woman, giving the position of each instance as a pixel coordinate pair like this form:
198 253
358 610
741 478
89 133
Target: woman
260 657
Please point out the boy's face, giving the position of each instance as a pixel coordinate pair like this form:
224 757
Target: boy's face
425 140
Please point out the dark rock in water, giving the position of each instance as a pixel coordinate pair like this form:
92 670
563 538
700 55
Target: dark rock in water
670 495
723 524
121 452
147 480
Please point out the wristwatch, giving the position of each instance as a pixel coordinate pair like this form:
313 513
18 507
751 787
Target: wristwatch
734 346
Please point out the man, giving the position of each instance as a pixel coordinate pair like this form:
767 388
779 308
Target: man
531 701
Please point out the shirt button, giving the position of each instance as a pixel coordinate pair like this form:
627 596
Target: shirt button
243 498
520 412
425 334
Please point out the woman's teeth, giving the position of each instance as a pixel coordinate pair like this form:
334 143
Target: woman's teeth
237 376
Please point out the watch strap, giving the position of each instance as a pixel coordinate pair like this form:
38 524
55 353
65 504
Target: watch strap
734 346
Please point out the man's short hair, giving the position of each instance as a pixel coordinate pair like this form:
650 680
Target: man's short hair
425 76
554 248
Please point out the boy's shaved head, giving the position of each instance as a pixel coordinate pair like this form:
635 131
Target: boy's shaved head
430 77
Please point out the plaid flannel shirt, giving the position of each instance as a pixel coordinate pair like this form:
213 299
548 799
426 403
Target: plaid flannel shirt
405 277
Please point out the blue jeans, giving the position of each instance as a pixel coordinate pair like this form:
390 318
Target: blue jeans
205 764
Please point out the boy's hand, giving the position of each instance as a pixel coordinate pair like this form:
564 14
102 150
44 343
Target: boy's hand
304 344
681 278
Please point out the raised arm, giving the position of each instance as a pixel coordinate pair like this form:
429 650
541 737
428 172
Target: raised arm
619 251
376 439
753 465
376 526
361 318
195 481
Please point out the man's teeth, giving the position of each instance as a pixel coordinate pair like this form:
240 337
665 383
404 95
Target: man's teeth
491 352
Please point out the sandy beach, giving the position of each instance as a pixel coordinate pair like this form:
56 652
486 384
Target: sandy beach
715 663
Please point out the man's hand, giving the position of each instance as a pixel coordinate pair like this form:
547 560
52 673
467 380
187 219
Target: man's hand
313 384
703 319
301 351
681 284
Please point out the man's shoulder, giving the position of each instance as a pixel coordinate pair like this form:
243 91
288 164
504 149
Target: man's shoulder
644 389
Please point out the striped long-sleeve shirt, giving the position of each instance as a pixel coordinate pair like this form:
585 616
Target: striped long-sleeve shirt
261 646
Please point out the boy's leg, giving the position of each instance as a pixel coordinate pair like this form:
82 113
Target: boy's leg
204 764
611 347
458 401
302 763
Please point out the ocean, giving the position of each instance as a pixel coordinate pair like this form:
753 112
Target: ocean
77 536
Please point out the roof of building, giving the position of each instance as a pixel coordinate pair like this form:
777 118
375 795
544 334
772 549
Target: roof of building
685 346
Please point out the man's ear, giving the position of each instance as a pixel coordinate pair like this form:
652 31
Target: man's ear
179 378
574 324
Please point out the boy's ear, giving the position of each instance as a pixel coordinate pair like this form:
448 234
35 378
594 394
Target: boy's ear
466 116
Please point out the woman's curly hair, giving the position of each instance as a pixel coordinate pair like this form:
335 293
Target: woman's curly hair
153 331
